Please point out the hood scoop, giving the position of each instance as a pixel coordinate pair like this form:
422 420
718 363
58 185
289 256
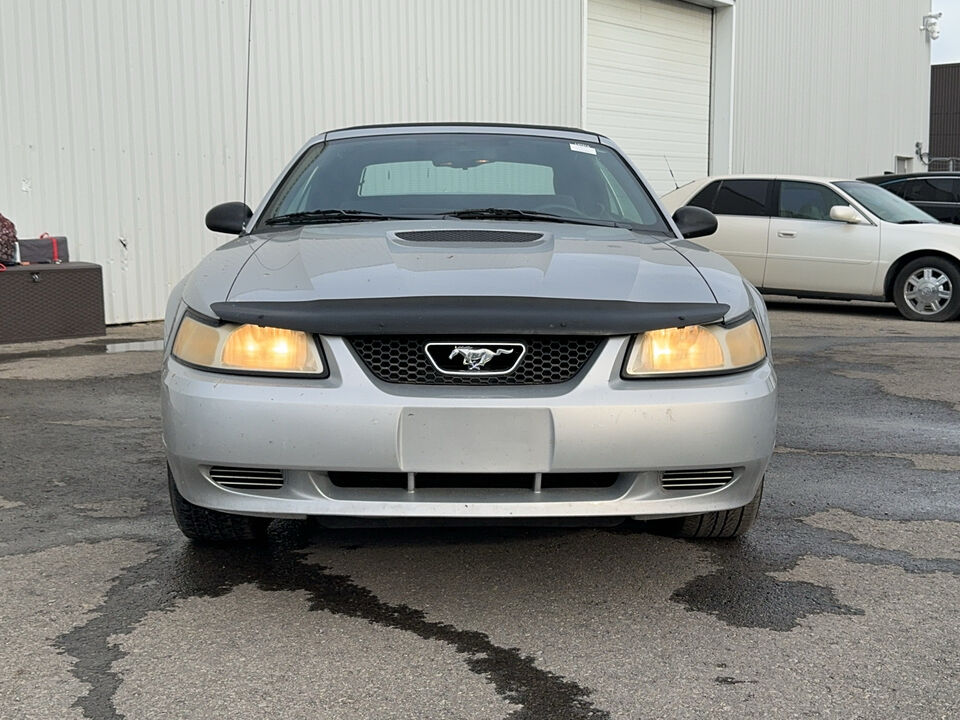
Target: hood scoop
468 236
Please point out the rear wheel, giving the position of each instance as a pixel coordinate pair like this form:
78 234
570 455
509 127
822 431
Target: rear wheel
928 288
717 525
210 526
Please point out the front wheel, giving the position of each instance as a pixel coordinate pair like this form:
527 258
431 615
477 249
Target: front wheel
928 289
716 525
211 526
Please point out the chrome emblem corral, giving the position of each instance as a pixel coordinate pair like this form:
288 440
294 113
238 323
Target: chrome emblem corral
476 358
467 359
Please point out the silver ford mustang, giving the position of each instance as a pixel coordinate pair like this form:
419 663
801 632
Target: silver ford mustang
465 321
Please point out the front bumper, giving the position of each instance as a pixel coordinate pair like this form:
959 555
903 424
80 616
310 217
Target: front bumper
352 422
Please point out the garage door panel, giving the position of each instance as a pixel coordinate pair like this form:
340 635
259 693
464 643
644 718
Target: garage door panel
619 49
640 14
654 92
656 37
684 136
648 83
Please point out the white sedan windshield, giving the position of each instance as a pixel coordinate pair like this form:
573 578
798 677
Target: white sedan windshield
884 204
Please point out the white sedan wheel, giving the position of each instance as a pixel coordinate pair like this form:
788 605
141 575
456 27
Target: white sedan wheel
928 288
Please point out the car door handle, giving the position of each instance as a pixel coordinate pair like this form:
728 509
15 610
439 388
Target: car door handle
787 233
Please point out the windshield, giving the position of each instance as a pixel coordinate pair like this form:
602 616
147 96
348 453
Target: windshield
884 204
432 175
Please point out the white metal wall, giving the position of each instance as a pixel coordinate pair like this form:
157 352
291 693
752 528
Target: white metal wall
125 120
321 65
829 87
121 123
648 84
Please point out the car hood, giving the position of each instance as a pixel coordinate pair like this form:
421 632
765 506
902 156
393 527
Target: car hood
369 260
934 231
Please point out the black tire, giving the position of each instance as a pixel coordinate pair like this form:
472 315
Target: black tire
210 526
716 525
928 274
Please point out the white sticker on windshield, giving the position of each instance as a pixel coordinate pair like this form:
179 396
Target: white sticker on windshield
577 147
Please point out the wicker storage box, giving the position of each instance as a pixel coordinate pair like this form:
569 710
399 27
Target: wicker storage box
49 302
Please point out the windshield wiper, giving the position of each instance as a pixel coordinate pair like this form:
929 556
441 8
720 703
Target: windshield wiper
913 222
332 215
494 213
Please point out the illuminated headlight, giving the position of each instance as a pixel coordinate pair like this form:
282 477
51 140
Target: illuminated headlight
246 348
695 349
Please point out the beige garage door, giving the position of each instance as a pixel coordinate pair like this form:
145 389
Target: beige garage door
648 83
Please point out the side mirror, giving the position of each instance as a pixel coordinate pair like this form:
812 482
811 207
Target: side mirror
228 217
694 222
845 213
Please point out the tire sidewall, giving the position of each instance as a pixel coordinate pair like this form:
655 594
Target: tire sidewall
950 269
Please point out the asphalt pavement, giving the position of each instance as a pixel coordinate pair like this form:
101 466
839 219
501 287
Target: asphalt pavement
841 603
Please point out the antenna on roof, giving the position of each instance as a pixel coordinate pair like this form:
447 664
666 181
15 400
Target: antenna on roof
672 176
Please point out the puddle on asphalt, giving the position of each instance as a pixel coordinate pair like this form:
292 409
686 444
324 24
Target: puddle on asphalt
144 346
94 347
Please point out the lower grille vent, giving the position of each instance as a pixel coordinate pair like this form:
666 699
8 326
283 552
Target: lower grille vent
486 481
247 478
696 479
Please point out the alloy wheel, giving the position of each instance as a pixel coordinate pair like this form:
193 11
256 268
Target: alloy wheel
927 290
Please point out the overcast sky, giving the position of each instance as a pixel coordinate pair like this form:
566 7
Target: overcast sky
946 48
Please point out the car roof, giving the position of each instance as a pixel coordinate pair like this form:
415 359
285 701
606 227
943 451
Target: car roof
907 176
461 127
768 176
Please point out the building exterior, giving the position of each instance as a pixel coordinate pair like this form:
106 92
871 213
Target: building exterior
130 120
945 117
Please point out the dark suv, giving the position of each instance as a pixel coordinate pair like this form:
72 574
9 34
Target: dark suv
936 193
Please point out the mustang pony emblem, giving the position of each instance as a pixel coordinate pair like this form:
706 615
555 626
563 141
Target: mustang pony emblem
476 358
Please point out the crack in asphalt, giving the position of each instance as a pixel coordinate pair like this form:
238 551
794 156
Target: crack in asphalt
936 462
197 571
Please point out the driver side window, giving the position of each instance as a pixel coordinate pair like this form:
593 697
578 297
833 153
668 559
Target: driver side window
807 201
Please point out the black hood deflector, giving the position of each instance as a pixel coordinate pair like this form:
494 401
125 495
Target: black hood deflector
478 315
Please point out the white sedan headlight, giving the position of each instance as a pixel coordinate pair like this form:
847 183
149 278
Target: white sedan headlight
695 349
246 348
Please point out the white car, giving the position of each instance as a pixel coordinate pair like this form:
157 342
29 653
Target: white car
846 239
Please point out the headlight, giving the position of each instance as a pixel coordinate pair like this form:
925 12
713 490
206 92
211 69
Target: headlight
246 348
695 349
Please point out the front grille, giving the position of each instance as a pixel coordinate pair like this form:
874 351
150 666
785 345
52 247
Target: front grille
548 360
523 481
696 479
247 478
470 236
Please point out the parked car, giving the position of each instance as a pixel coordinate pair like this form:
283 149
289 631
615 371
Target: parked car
936 193
846 239
464 322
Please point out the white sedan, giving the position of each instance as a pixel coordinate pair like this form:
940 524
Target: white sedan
814 237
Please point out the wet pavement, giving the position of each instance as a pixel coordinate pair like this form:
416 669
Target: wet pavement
841 603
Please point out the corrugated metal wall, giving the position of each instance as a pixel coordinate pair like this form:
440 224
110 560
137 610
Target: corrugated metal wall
121 123
125 120
829 87
321 65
